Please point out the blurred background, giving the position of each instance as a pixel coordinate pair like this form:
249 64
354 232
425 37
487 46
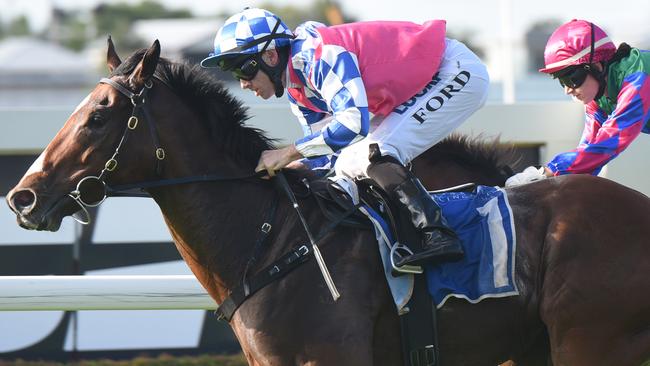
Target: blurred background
52 52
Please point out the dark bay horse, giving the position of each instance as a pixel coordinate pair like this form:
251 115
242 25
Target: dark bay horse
583 254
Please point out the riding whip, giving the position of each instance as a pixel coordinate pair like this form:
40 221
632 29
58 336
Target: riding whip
319 257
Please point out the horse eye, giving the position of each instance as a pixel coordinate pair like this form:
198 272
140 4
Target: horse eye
96 120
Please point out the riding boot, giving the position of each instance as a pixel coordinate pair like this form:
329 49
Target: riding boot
439 242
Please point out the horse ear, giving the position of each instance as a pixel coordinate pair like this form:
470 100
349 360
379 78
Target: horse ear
147 66
112 59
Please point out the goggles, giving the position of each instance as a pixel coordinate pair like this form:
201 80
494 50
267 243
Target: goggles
246 69
575 77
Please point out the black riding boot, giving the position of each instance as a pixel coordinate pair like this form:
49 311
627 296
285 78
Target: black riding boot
439 242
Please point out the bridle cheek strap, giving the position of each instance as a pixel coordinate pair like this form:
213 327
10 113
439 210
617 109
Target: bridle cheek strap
139 104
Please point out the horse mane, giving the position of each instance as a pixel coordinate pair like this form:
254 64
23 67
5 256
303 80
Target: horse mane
225 117
475 152
223 114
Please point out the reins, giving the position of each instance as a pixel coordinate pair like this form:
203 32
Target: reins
249 286
285 264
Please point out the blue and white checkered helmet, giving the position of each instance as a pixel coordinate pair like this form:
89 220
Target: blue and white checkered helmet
248 32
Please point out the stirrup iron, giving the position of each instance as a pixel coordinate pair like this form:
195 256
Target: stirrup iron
407 268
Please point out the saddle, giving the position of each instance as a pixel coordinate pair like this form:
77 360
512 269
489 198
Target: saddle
418 320
334 202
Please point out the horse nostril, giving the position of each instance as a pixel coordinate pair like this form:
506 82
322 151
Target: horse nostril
23 200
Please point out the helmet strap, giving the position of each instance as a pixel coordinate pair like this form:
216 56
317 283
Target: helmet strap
599 76
602 83
275 72
593 70
593 43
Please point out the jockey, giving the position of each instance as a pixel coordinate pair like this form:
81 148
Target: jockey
418 85
613 84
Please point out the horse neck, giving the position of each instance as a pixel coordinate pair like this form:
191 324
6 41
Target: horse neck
215 226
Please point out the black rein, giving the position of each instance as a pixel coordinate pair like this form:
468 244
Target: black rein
248 286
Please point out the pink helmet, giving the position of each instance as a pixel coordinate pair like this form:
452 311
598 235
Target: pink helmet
574 43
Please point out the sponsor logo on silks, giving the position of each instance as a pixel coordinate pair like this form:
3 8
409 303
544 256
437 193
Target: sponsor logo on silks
411 102
446 93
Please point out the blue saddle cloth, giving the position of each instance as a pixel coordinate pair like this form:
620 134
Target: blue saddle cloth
483 221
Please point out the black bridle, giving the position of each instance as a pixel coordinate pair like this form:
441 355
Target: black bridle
91 191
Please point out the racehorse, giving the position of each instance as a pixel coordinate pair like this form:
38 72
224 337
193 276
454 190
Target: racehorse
582 255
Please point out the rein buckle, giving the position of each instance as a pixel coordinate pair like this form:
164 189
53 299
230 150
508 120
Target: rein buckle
160 153
132 123
111 165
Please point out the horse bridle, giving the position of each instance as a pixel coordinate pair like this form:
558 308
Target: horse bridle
83 195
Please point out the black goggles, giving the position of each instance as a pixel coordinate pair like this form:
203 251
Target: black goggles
247 70
575 77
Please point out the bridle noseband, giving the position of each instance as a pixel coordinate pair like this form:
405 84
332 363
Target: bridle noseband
90 185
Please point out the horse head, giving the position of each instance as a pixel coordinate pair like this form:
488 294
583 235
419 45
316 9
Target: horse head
111 138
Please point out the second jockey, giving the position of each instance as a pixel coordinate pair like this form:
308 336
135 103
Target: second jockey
613 84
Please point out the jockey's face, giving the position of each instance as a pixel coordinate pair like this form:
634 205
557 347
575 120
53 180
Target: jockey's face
586 92
261 84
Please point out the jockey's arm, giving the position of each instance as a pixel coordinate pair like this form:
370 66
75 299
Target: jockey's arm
602 142
336 77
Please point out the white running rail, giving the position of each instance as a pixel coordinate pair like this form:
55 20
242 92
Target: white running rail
20 293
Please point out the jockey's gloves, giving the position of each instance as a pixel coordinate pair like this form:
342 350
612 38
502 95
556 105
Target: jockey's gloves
529 175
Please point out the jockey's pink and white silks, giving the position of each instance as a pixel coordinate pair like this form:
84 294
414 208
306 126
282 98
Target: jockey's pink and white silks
614 120
458 89
351 70
338 75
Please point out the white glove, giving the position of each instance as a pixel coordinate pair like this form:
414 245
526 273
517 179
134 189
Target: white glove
530 174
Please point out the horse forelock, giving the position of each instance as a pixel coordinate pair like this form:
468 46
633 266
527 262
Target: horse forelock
221 112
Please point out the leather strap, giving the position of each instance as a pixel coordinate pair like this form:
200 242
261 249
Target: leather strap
273 272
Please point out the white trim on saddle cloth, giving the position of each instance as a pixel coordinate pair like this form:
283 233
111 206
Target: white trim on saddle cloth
484 222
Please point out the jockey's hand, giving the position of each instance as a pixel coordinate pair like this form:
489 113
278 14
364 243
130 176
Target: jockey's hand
529 175
274 160
297 165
